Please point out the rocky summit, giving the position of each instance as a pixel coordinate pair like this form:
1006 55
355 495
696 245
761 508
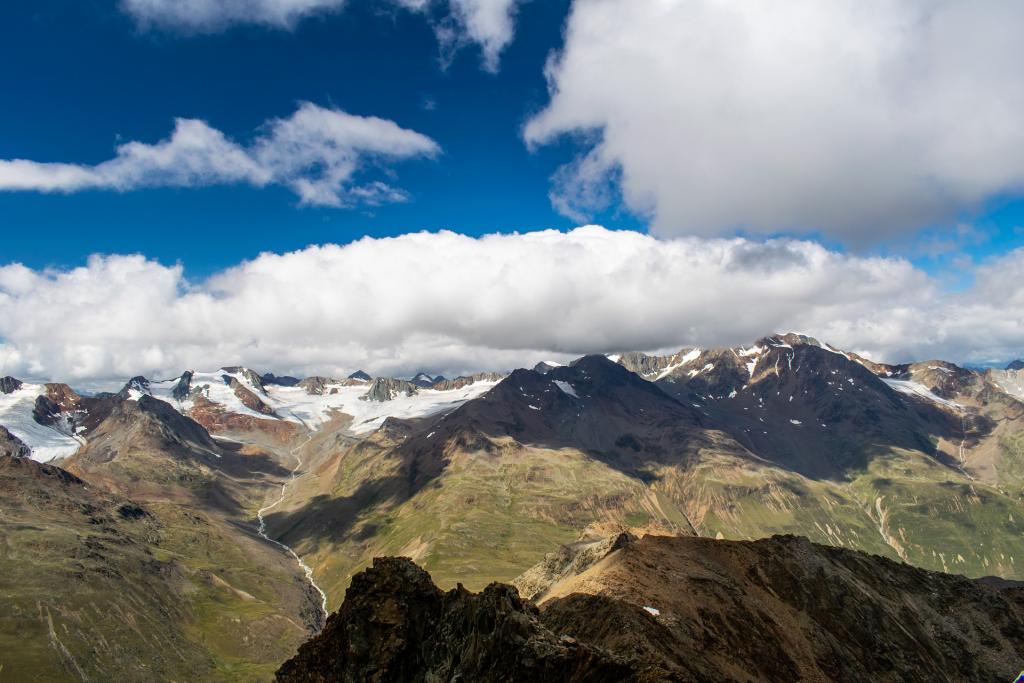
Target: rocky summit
677 609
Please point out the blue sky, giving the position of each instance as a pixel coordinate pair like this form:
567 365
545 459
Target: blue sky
84 77
857 174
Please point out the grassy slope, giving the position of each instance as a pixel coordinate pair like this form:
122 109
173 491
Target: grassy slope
185 592
490 516
486 519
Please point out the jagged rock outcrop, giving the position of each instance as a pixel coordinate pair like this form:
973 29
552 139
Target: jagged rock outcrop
11 446
45 412
443 384
678 609
138 383
248 398
318 386
254 379
423 380
648 366
142 385
569 560
544 367
183 387
66 398
396 625
315 385
8 385
387 388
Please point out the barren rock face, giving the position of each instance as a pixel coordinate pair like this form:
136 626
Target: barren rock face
569 560
12 446
396 625
249 399
9 385
676 609
386 389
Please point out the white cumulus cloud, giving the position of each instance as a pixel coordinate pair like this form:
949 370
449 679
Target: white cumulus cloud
316 152
487 23
445 302
857 118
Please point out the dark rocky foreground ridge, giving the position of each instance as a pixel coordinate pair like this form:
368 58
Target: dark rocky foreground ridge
678 609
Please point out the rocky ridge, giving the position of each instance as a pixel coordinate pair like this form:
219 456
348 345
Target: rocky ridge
677 609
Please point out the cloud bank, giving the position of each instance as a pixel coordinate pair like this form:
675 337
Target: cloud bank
487 23
449 303
317 153
858 118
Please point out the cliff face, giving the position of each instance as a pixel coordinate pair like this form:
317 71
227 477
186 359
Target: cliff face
677 609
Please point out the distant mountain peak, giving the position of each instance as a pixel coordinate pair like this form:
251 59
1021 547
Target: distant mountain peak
423 380
546 366
361 374
280 380
1016 365
8 385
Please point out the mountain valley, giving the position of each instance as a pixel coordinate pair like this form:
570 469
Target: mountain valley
159 494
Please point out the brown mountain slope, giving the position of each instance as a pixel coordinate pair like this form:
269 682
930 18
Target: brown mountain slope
144 563
83 594
679 609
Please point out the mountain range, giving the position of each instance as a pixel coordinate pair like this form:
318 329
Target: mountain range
204 525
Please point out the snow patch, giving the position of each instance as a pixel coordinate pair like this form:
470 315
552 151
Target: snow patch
832 349
566 388
707 368
921 391
296 405
688 357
